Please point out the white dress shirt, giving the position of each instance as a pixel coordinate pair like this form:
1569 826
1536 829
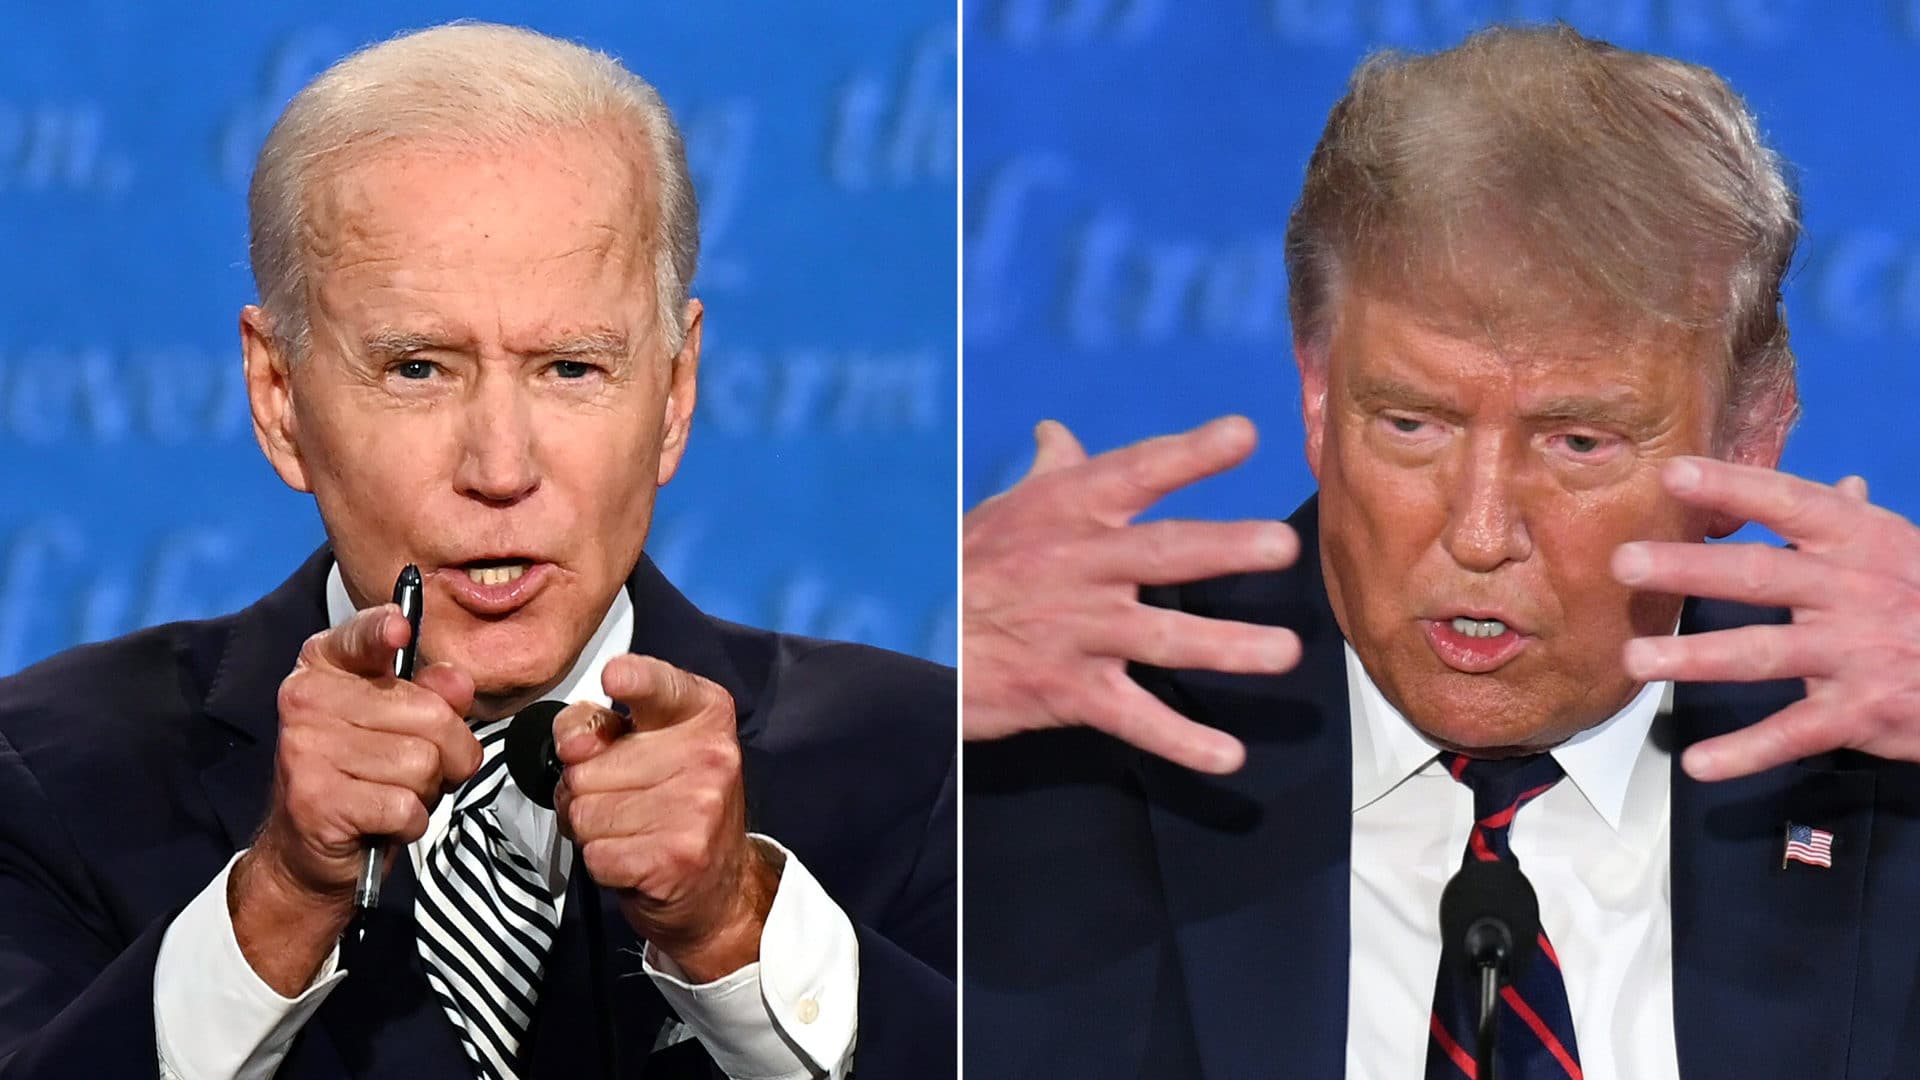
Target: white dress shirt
1594 846
791 1014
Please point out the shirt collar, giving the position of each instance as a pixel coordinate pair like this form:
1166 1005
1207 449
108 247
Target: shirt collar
582 681
1600 760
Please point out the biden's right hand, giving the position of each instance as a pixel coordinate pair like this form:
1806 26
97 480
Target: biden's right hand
1051 571
363 757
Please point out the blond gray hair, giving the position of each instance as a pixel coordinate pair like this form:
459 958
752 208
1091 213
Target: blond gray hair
472 84
1532 165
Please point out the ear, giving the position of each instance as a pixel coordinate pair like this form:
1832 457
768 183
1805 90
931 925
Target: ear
1756 434
269 377
682 389
1312 361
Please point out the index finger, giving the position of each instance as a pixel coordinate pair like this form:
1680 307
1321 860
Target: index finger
1798 509
363 645
1800 730
1126 481
656 693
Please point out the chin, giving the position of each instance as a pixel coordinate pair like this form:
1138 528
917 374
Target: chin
508 664
1478 712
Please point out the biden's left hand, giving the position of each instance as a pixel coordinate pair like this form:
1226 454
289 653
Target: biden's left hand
1852 581
656 802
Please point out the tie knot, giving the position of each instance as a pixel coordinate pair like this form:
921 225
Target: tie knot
1501 786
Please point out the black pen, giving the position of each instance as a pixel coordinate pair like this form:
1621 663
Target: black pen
407 592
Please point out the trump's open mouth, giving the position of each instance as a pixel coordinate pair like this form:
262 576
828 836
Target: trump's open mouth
1474 644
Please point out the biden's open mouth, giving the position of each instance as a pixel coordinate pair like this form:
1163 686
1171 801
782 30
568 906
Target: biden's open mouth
494 585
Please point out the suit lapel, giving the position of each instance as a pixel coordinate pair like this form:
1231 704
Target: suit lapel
258 653
667 625
1764 956
1254 866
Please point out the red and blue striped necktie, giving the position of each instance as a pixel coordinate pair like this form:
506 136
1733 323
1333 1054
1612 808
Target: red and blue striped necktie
1536 1024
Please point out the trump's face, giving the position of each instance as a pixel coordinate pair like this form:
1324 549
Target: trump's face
487 393
1471 496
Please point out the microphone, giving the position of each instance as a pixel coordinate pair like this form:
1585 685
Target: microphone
531 759
1489 929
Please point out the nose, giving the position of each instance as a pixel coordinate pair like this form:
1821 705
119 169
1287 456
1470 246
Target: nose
497 461
1486 527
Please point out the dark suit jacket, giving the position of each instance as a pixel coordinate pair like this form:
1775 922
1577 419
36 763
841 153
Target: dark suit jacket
131 771
1127 918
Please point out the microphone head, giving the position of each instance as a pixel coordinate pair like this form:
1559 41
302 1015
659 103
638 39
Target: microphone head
531 760
1489 915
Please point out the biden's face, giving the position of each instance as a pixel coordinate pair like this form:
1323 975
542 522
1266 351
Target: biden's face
487 393
1471 497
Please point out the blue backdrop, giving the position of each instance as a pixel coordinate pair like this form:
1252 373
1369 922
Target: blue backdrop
818 492
1130 165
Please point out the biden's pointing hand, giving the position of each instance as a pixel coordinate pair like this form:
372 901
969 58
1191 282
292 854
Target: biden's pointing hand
1050 582
1852 581
656 803
362 757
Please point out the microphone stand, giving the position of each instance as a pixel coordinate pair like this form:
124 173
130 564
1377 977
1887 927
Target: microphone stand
1489 1019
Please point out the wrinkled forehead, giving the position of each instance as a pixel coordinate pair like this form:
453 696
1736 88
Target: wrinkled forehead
1523 300
541 196
1453 331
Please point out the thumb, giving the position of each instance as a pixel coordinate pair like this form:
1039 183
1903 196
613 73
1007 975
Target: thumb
1055 448
583 729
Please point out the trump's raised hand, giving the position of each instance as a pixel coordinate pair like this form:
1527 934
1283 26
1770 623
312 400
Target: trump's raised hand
656 803
1852 581
1051 575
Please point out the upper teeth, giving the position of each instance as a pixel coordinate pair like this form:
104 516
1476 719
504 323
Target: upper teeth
1479 627
496 575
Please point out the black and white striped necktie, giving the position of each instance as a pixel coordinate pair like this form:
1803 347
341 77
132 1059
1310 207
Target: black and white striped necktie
486 921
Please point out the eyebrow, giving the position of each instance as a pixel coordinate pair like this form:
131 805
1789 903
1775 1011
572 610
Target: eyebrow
1599 410
391 342
587 343
394 342
1377 390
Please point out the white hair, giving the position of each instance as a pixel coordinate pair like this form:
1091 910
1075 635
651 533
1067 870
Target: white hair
471 83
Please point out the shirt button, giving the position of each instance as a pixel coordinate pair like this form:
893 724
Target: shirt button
808 1010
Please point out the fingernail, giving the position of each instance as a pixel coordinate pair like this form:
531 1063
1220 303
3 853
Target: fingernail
1233 430
1642 658
1631 563
1227 757
1682 475
1698 761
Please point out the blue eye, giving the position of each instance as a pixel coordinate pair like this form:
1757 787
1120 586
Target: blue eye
1405 424
414 369
1583 444
572 369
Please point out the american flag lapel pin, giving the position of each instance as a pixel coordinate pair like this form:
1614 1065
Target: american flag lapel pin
1806 844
